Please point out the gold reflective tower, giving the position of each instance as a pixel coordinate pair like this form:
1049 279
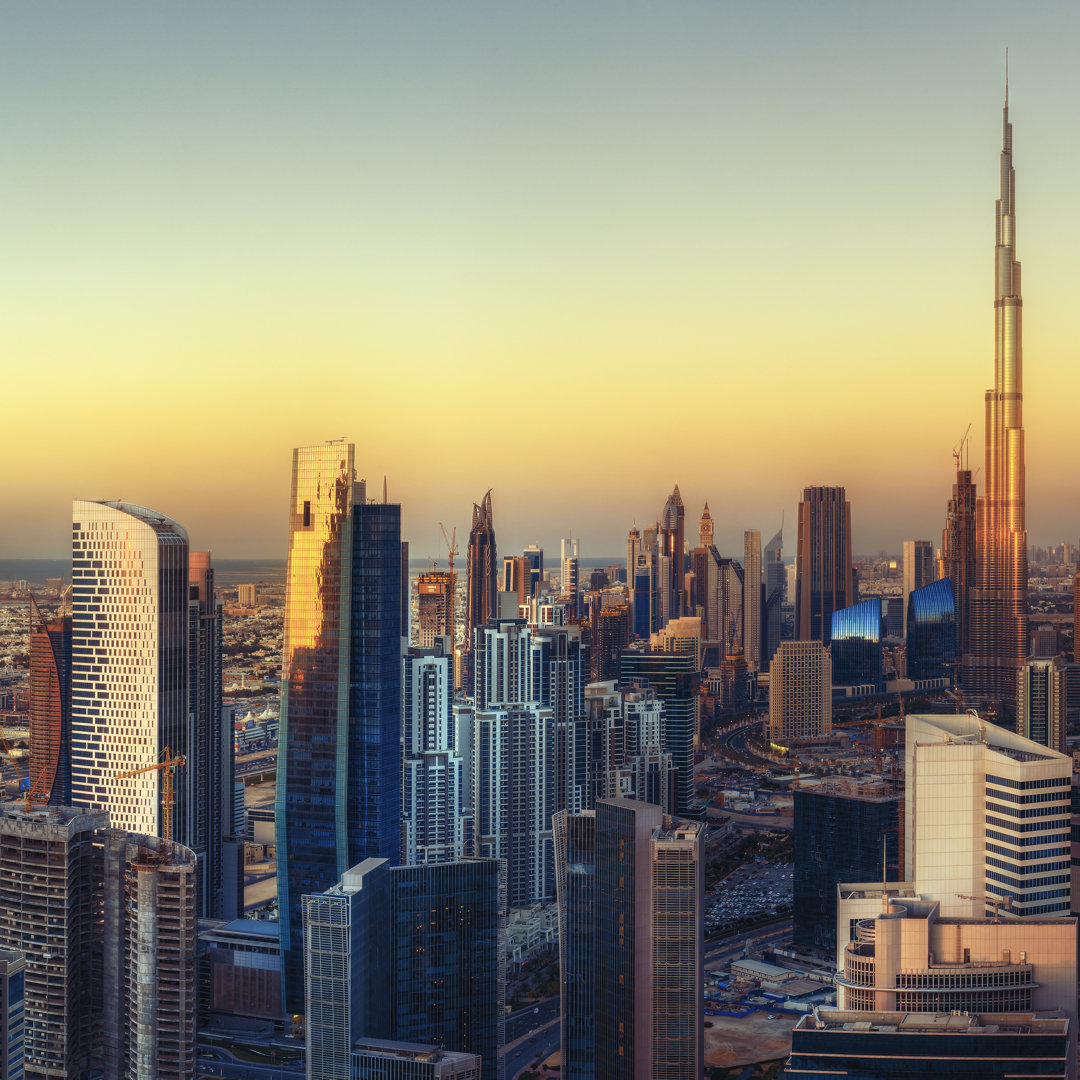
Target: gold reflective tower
998 642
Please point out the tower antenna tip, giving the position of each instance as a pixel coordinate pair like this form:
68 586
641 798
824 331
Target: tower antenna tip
1006 76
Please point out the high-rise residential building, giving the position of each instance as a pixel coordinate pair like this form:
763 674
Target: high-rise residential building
919 568
209 749
856 645
611 635
535 554
482 582
12 1011
997 603
724 604
824 580
644 584
50 705
775 580
671 537
673 676
434 821
247 595
338 798
958 550
630 884
844 830
129 661
411 953
800 691
705 528
1042 702
752 598
987 816
50 907
571 573
931 632
150 968
435 606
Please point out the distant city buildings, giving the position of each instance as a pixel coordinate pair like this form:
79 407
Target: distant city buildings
482 583
919 569
752 598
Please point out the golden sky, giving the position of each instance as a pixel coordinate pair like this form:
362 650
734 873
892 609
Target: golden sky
575 253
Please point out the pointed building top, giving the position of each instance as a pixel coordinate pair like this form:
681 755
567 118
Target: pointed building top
705 513
1006 76
676 497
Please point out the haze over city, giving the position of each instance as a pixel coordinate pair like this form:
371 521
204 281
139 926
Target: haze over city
574 254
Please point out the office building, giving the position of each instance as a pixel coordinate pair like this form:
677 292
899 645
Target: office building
856 645
844 830
381 1059
611 636
571 573
50 701
997 603
346 934
129 661
239 970
800 691
435 607
901 1045
671 538
338 798
434 821
919 569
1042 702
752 598
674 678
630 883
824 581
50 897
208 772
12 1010
987 816
724 605
644 583
534 553
150 968
931 632
958 549
775 580
412 953
482 581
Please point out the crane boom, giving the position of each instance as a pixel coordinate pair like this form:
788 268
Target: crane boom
166 766
451 544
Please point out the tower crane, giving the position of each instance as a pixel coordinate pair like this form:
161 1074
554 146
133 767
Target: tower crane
451 544
958 449
998 902
166 766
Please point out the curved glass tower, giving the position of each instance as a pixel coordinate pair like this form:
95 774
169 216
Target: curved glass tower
856 645
998 602
931 631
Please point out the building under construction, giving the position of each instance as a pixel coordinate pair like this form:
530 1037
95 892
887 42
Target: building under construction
50 904
150 969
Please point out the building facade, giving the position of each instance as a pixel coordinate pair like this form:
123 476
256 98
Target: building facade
435 607
482 579
800 691
1042 702
50 705
931 632
823 567
12 1010
919 569
856 645
752 598
338 797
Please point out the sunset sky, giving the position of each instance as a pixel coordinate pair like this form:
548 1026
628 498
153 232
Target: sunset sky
572 251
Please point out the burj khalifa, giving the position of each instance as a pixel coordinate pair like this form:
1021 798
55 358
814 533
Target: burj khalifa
998 601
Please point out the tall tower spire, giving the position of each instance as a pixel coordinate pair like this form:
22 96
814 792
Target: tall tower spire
999 629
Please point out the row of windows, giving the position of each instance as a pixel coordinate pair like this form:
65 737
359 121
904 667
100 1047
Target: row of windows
1031 812
963 979
1031 826
1027 898
1028 883
1027 841
1029 785
1037 868
1038 797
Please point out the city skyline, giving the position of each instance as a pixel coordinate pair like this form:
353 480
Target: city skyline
580 199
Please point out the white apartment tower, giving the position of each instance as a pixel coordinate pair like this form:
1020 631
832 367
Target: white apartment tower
129 659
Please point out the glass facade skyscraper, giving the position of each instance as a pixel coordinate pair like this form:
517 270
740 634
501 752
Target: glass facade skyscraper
50 705
823 581
856 645
931 631
338 798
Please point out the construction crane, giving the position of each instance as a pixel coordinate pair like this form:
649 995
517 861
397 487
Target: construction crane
36 795
451 544
958 449
166 766
998 902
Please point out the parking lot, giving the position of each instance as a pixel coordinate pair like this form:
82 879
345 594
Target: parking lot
754 891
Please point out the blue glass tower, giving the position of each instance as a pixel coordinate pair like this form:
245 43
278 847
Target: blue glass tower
856 645
931 631
338 798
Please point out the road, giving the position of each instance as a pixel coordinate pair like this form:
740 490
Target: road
732 947
532 1049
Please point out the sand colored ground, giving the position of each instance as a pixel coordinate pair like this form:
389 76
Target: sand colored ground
749 1040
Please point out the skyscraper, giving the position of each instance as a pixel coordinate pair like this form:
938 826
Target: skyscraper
775 579
856 645
1041 702
571 573
958 550
823 582
705 528
435 607
482 584
129 661
751 637
918 569
338 798
672 541
630 882
50 705
800 691
931 632
998 636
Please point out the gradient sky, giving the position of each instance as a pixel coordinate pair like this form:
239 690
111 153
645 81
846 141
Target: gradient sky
571 251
